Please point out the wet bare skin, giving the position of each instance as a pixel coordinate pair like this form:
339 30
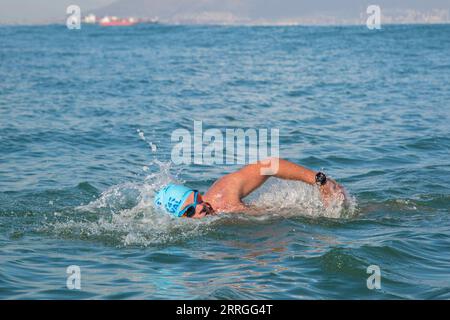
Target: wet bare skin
226 194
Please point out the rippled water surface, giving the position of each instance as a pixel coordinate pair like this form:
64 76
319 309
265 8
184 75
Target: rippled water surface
85 124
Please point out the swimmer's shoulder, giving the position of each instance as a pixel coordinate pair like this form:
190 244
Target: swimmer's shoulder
227 187
224 194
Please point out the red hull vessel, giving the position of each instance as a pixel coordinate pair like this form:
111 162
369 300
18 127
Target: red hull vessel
117 23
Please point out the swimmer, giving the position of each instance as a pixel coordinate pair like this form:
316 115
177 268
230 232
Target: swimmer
226 194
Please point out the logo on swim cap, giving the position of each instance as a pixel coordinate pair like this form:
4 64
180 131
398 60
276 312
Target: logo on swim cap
171 198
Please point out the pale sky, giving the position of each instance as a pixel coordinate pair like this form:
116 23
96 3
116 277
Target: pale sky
41 11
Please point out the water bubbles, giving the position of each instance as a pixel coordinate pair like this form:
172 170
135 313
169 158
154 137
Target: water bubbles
150 144
141 134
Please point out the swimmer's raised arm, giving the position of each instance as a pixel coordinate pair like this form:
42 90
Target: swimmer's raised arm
252 176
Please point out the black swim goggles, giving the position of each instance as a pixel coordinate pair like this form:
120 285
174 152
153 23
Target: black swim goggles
189 210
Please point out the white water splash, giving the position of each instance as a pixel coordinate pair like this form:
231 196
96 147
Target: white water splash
294 198
127 216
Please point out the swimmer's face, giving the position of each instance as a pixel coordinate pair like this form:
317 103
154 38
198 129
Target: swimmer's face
202 208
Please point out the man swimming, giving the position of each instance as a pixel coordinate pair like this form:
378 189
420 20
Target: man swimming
226 194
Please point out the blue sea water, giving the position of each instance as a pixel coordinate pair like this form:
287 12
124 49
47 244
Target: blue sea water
86 118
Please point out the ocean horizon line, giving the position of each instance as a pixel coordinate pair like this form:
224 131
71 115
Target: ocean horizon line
239 24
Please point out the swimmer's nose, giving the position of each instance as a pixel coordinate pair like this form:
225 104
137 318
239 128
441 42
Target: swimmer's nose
208 209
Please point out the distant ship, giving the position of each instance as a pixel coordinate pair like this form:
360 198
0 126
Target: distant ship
114 21
109 21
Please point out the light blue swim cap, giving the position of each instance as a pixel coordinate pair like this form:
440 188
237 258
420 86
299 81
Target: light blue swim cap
171 198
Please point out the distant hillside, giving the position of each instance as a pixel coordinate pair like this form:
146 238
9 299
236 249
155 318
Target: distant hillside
302 11
165 9
231 11
247 9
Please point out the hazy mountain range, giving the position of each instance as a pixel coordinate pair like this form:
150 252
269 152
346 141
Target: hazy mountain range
231 11
275 11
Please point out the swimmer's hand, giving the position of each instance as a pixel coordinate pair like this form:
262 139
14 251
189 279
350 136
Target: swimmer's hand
331 191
